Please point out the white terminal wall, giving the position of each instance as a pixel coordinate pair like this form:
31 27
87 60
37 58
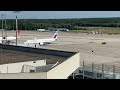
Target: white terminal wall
17 67
63 70
41 75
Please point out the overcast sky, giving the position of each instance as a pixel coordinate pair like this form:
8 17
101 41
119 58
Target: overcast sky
60 14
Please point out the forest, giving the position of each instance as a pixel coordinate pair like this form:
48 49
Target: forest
71 24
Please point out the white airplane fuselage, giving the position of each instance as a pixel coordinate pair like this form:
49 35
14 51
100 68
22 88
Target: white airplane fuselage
42 41
7 38
10 38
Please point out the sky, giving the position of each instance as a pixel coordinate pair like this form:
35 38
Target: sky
59 14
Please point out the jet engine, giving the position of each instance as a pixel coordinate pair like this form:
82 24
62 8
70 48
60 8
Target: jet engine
41 43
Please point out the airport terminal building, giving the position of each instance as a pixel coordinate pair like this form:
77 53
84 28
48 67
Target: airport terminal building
18 62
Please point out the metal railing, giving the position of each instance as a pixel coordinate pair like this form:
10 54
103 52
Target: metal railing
99 71
27 69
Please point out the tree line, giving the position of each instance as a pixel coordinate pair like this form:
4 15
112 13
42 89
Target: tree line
72 24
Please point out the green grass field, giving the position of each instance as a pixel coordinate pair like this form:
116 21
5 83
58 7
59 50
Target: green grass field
105 30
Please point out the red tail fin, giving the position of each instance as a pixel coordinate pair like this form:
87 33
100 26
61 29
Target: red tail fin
18 33
55 35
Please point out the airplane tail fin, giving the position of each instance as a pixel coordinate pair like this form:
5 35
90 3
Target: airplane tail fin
55 35
18 33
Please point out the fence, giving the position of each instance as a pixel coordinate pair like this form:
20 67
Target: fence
99 71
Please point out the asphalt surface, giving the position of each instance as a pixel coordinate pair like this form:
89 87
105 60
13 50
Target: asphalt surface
90 46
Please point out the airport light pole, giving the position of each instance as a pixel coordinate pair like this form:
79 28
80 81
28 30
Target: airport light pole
5 27
25 24
2 25
2 28
16 25
16 29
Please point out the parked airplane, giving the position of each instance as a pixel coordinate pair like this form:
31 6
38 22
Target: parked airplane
42 41
8 39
